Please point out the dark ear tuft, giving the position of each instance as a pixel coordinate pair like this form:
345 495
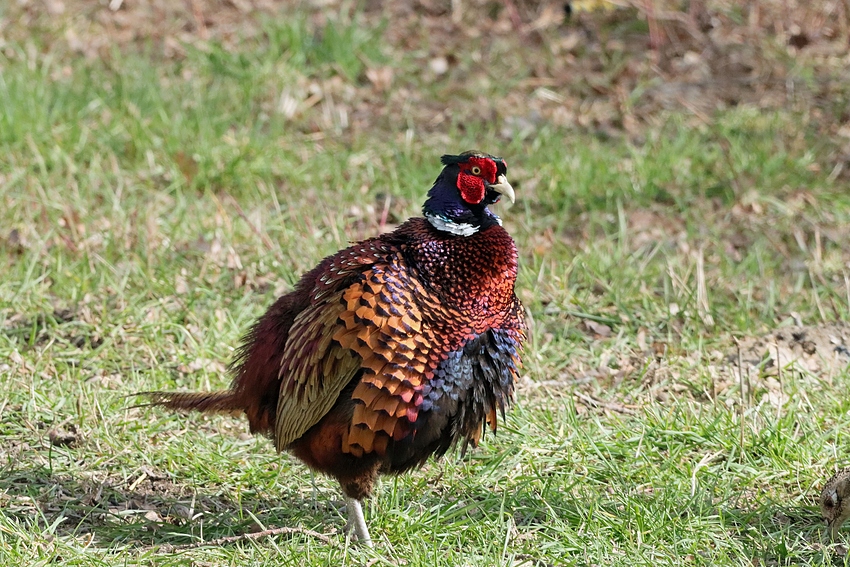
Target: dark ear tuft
454 160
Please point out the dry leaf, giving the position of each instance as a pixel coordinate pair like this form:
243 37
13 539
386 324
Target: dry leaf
598 329
61 438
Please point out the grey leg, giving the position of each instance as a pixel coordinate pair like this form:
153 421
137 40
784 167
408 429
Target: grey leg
315 492
356 521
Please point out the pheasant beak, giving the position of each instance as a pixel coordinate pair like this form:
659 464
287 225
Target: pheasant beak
503 187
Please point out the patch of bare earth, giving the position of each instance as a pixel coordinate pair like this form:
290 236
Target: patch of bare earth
750 370
815 353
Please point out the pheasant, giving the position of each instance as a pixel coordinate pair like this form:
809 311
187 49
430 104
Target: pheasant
835 501
392 350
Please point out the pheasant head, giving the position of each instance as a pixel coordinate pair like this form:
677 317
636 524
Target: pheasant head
835 501
469 182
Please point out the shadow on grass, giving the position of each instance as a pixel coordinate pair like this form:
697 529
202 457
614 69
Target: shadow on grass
154 511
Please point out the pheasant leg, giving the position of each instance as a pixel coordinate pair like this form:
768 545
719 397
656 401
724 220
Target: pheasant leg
356 521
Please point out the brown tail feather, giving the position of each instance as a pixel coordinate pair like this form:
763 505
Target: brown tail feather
223 401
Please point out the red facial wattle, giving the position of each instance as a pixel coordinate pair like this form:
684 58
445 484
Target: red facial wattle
472 177
472 189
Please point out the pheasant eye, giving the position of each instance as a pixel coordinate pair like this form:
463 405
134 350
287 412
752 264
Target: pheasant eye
475 170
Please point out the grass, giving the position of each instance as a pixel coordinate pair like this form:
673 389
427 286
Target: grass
152 208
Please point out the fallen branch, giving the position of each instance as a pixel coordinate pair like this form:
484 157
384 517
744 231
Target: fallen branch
168 548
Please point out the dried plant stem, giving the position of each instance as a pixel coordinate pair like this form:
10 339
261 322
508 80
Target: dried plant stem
779 379
656 39
703 307
245 537
260 234
744 395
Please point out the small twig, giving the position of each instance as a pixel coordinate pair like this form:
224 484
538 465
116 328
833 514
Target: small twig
168 548
590 402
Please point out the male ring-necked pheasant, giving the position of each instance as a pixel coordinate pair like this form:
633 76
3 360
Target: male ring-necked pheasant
391 350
